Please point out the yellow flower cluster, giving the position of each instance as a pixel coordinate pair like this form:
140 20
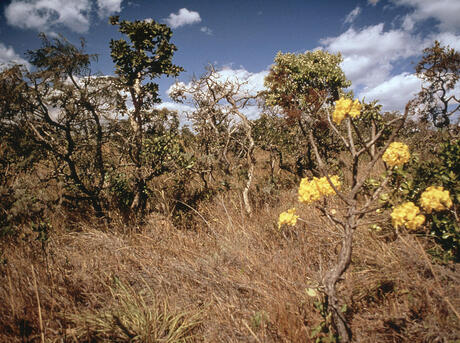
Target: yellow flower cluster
435 198
289 218
313 190
397 154
407 215
343 107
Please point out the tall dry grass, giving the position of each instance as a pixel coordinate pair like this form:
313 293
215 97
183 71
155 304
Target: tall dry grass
232 279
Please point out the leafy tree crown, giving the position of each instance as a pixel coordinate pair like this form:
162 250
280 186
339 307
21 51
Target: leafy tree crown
301 82
148 54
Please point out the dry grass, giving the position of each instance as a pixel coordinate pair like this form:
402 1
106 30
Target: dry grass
233 279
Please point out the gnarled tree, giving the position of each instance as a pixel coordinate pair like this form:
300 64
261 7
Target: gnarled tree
63 108
218 118
439 70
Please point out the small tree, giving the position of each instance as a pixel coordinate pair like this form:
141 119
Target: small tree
439 70
147 56
302 86
352 210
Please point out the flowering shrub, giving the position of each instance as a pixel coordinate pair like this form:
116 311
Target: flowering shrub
310 191
343 107
440 165
407 215
288 218
435 198
397 154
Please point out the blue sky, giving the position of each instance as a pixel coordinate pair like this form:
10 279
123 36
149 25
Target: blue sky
380 40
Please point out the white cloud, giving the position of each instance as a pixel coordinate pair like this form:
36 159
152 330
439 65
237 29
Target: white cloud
183 17
447 38
46 15
394 93
42 15
9 56
108 7
350 18
253 82
408 23
206 30
369 53
446 12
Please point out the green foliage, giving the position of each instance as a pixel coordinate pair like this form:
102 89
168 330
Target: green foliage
301 82
120 189
148 54
163 147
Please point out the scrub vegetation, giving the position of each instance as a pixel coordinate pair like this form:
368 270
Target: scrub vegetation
325 219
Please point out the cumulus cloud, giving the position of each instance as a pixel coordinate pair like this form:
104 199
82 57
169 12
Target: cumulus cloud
253 82
394 93
446 12
350 18
42 15
183 17
372 54
206 30
9 56
369 53
46 15
108 7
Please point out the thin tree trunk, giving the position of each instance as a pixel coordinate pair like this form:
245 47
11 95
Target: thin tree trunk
330 281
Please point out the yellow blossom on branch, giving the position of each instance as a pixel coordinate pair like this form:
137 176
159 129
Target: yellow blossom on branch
312 190
435 198
343 107
407 215
397 154
289 218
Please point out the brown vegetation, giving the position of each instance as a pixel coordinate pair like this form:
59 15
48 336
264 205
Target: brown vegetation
232 279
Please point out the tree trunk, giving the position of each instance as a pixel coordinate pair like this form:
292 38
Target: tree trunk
330 281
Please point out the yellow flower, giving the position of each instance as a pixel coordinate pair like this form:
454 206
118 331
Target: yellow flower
343 107
313 190
308 192
355 109
407 215
289 218
435 198
397 154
